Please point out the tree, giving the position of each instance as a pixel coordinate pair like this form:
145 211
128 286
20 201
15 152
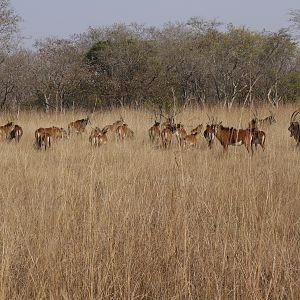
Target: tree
58 71
295 18
119 65
9 21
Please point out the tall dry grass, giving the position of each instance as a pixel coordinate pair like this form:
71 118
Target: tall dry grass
129 221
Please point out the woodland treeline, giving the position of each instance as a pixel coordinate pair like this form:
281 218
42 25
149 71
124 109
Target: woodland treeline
204 62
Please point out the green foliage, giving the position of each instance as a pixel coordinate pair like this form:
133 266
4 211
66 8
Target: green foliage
93 53
137 65
293 86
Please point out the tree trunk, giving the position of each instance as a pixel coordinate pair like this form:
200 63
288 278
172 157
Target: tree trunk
47 104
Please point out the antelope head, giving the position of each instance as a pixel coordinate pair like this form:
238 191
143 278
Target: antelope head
293 123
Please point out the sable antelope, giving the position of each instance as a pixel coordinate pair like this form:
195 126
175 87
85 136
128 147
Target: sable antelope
169 119
16 133
115 125
209 135
257 123
231 136
258 138
51 132
294 127
180 133
98 137
166 136
169 127
6 129
78 126
43 137
44 140
123 132
95 131
192 139
57 133
154 132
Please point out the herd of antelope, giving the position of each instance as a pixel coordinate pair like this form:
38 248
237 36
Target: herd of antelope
161 133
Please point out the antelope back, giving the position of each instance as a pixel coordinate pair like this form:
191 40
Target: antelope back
7 128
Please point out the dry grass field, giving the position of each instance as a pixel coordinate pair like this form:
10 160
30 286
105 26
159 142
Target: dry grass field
130 221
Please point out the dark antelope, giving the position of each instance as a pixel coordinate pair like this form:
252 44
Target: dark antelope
16 133
294 127
209 135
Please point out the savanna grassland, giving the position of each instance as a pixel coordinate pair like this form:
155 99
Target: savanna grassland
131 221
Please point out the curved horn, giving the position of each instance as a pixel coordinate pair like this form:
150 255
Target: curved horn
295 113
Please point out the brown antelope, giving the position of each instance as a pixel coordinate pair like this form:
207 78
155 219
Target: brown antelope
78 126
166 136
123 132
180 133
192 139
231 136
43 137
57 133
112 128
98 137
257 123
115 125
95 131
209 135
169 119
168 127
5 130
51 132
16 133
44 140
294 127
154 132
39 132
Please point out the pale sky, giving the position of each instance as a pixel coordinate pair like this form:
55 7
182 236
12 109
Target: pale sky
61 18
